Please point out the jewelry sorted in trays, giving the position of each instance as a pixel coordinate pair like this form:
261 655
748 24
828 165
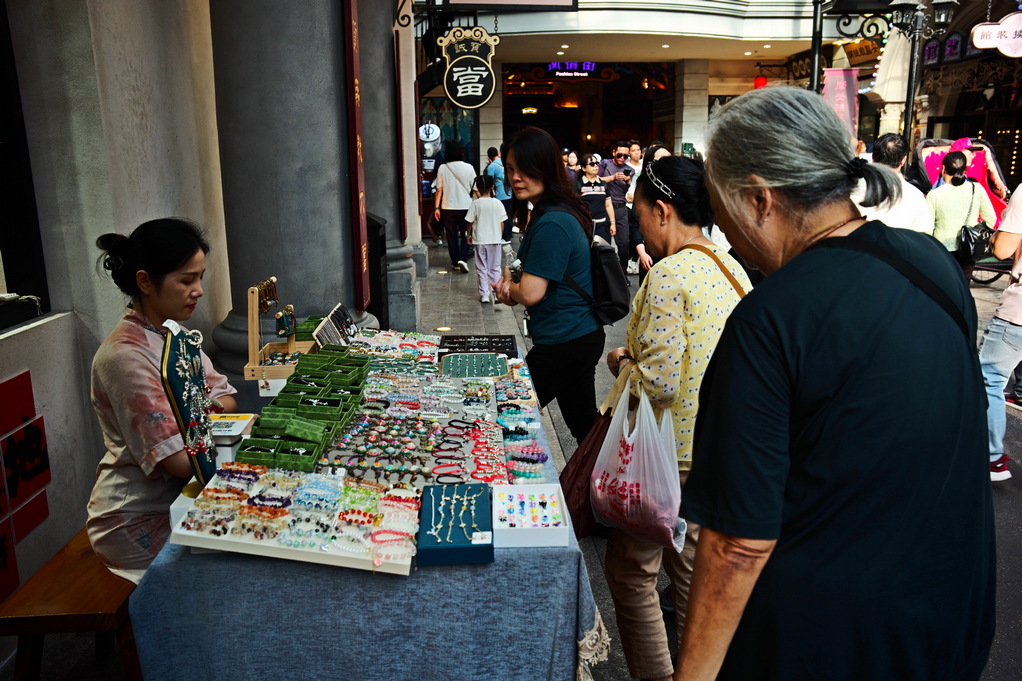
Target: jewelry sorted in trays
337 464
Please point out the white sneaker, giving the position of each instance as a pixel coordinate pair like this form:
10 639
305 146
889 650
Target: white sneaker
463 265
633 267
485 299
515 230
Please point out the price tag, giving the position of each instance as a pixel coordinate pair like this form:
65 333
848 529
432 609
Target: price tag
482 537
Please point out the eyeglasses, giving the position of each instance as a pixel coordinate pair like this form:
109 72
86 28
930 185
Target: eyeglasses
620 155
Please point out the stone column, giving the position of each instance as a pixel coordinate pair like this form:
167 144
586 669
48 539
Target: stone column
890 117
691 97
384 132
280 103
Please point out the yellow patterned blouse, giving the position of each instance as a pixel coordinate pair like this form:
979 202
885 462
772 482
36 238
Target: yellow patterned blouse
678 315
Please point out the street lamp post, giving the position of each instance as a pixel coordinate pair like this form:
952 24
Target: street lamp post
910 18
872 19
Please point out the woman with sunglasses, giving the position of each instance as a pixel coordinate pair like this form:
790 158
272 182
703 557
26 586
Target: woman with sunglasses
594 191
567 338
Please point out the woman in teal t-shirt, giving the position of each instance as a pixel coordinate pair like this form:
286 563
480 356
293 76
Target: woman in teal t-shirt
567 338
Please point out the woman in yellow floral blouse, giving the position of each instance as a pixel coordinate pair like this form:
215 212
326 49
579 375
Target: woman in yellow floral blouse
678 314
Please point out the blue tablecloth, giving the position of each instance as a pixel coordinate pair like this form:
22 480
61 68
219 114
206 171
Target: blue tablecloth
226 616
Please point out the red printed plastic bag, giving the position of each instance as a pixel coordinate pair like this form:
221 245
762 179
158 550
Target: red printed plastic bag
635 485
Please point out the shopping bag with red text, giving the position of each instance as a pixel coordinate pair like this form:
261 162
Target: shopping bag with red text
635 485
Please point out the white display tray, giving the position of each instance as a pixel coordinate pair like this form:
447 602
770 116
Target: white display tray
270 548
331 555
517 537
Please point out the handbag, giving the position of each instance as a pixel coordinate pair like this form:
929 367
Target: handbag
635 485
974 240
576 474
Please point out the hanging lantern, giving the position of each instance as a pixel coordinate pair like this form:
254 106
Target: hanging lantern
759 82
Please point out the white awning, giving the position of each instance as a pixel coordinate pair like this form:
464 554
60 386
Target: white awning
892 74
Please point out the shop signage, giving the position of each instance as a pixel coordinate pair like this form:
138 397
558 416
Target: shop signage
469 81
571 69
801 65
840 90
1005 35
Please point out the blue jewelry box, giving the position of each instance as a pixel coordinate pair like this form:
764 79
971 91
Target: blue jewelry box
455 525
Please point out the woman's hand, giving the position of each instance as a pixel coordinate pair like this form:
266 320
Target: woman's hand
614 359
645 261
613 228
502 289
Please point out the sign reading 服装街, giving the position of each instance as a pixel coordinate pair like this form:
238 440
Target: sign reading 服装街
469 81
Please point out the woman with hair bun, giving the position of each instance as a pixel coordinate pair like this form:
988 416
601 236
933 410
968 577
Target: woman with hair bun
677 316
958 202
840 472
160 267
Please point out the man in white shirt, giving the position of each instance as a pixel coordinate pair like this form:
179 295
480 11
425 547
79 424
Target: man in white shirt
911 210
453 196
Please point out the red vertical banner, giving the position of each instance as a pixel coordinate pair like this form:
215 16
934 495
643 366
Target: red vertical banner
841 92
357 184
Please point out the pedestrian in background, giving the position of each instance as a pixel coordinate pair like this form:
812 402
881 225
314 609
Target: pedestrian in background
956 203
593 191
617 173
838 472
453 197
495 169
1000 348
485 220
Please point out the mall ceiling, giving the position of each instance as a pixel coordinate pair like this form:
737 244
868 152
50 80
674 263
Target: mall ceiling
639 48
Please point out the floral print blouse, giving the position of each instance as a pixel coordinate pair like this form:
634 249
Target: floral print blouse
139 431
677 317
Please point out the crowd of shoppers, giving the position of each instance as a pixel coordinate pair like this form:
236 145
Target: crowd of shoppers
816 543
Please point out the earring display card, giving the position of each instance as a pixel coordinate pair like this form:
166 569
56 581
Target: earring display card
455 525
529 515
501 345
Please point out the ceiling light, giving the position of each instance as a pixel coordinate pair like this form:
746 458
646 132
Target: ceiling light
748 54
665 46
560 52
564 47
767 46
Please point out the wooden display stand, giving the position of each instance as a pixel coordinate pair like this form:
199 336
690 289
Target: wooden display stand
255 370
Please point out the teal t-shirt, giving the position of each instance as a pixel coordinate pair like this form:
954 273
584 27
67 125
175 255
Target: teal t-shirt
554 245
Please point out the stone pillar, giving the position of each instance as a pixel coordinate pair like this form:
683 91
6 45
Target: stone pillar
280 103
890 117
691 97
384 131
491 120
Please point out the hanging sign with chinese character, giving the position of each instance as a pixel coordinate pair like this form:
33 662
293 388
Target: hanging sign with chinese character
1005 35
469 81
840 90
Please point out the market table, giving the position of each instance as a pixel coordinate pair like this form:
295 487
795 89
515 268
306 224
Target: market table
529 615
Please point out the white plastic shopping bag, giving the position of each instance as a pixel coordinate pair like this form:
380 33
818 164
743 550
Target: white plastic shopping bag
635 485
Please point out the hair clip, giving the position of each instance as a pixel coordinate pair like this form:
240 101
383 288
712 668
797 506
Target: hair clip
664 189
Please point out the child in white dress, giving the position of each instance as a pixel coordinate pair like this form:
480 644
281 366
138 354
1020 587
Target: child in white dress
485 220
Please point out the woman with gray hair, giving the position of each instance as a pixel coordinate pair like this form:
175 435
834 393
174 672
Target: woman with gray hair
839 470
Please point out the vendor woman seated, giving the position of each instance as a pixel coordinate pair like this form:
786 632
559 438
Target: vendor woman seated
160 266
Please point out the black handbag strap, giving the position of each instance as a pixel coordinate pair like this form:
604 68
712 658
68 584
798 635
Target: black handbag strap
910 271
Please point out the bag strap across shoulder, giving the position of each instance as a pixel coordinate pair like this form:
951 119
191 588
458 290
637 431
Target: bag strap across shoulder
727 273
910 271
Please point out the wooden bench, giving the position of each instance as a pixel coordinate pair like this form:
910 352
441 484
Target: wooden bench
73 592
